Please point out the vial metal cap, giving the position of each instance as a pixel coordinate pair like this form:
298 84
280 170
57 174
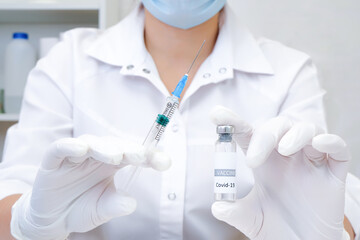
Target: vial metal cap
225 129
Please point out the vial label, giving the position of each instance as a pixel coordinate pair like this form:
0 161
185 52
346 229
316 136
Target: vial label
225 172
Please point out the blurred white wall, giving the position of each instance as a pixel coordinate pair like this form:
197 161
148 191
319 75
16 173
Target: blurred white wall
327 30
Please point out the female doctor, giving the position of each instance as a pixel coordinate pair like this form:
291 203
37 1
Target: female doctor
90 102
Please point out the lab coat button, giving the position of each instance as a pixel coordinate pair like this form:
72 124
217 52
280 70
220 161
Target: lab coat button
206 75
175 128
222 70
146 70
172 196
129 67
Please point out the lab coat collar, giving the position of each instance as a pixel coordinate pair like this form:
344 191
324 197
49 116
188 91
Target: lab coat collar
123 44
235 41
235 50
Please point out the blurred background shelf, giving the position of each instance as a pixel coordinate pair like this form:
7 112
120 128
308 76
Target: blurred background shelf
58 16
35 12
49 5
50 18
103 13
7 117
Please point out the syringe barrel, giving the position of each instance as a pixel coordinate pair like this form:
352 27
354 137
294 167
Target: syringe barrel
161 122
155 133
150 141
172 103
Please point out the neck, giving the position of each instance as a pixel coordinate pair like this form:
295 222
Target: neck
173 49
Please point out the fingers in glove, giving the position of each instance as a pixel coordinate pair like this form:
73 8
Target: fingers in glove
64 148
338 154
113 203
233 214
152 158
158 160
110 150
300 135
115 151
97 206
224 116
265 139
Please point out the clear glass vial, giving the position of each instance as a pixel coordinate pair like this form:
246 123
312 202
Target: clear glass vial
225 165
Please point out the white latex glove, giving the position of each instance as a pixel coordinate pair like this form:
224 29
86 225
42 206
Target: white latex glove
299 188
74 189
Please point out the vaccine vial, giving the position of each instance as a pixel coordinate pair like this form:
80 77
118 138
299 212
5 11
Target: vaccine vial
225 165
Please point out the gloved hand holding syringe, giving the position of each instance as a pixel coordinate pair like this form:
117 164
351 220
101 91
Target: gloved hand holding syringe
158 128
61 202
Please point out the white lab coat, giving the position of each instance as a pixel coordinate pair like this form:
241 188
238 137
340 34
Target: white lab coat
106 83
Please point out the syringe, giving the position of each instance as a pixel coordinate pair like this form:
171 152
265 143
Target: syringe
158 128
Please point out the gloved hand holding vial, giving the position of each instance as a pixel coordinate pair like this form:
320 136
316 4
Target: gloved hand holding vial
294 166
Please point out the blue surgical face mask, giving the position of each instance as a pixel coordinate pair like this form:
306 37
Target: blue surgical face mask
183 14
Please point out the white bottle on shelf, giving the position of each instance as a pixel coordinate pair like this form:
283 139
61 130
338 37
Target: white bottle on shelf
20 58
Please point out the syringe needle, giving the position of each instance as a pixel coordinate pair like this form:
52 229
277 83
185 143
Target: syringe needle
196 57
